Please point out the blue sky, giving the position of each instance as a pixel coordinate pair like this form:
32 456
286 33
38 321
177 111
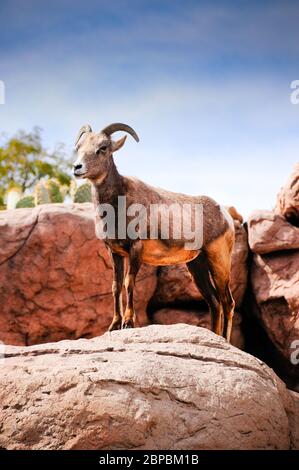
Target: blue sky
205 84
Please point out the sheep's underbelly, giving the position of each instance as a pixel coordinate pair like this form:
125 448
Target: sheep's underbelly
157 253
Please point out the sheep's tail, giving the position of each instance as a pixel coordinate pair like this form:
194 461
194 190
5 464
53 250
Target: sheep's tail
234 213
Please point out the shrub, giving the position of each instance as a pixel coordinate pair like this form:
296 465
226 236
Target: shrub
83 193
26 201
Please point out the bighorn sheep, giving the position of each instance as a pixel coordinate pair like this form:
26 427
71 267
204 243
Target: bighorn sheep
209 265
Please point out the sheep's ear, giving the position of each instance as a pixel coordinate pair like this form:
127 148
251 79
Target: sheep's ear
118 144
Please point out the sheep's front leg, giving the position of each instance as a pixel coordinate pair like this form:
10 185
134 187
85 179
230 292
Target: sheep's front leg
118 279
133 268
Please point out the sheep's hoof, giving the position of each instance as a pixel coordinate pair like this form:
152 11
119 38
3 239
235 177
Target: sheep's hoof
115 325
128 324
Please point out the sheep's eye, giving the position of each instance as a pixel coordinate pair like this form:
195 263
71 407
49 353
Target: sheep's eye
101 149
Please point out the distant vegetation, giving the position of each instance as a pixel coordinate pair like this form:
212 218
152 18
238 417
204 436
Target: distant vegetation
83 193
30 175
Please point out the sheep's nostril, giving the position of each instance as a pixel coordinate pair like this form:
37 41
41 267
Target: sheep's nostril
78 167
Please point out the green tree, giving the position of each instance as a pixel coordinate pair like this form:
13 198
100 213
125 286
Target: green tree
24 161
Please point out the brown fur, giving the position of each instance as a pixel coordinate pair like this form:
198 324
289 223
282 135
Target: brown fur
219 258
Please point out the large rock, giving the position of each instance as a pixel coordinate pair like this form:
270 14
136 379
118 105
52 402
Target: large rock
275 278
159 387
176 285
287 203
275 283
56 276
269 232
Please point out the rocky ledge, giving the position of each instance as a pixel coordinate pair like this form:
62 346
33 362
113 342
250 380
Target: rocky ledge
157 387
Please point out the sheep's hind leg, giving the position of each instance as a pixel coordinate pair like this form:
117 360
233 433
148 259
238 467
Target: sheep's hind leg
118 273
133 268
219 255
200 271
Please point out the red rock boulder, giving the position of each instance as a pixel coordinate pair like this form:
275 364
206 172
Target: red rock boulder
288 199
269 232
275 278
56 276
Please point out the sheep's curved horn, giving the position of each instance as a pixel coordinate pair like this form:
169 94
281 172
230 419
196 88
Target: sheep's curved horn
82 131
118 126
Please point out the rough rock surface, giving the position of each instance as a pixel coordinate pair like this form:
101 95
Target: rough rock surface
275 283
55 276
159 387
275 278
176 285
269 232
288 199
